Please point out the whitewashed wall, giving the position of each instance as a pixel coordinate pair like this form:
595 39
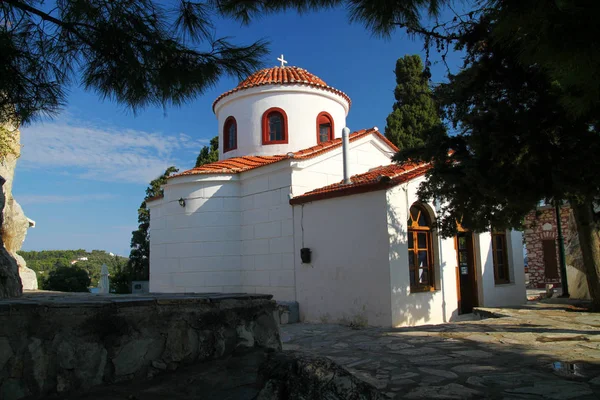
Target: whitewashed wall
348 278
267 246
196 248
302 104
507 294
418 308
364 154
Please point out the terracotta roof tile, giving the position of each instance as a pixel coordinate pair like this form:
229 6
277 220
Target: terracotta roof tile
236 165
282 76
378 178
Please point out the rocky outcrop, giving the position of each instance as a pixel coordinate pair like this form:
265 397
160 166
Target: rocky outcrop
295 376
10 282
15 224
577 280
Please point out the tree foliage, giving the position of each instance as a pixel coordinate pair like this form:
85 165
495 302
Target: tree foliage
512 144
414 112
45 261
209 154
67 279
561 37
138 266
136 52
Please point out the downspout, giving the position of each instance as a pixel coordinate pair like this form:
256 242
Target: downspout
439 238
345 148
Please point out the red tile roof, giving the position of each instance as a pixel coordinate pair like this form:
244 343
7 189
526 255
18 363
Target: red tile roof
236 165
282 76
378 178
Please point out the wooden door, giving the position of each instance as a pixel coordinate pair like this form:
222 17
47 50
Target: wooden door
550 259
466 276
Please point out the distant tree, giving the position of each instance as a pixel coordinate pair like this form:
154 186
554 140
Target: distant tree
414 112
120 280
137 52
138 266
209 154
67 279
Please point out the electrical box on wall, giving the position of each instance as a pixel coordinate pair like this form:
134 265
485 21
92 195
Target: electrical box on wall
305 255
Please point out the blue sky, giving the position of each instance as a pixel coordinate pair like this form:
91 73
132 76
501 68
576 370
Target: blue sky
82 175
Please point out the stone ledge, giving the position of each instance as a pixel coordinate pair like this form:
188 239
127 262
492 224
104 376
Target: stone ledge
57 343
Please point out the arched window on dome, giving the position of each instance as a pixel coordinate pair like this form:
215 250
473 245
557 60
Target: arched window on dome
420 249
229 134
274 126
324 128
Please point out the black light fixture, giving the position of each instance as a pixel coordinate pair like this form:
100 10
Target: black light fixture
181 202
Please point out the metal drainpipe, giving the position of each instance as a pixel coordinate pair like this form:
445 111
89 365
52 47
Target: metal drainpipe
345 146
561 252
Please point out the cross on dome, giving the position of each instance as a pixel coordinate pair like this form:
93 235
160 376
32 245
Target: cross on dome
283 62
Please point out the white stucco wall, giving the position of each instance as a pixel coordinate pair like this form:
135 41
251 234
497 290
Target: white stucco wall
364 154
418 308
266 230
348 278
302 104
196 248
508 294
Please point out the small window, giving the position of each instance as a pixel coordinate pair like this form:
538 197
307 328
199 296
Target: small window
324 128
500 255
420 252
229 135
274 126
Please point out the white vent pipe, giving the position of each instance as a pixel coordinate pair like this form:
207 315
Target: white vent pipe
345 149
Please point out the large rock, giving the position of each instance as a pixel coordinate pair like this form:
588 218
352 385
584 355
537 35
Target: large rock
14 223
577 280
10 282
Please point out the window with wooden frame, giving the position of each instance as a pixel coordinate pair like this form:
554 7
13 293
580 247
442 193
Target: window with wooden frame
500 256
229 135
420 250
324 128
274 126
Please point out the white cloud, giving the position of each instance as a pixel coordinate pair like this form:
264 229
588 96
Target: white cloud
47 199
102 153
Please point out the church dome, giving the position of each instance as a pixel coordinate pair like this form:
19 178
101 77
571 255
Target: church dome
282 76
279 110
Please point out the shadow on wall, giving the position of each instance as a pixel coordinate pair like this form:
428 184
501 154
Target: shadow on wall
407 309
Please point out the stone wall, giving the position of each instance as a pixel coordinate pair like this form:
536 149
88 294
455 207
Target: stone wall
541 225
59 343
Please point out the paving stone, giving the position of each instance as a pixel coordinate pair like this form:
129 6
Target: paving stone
474 368
558 389
474 353
439 372
405 375
450 391
403 382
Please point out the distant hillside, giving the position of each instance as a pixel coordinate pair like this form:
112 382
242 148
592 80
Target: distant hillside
42 262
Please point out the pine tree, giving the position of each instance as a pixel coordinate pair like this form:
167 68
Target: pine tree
513 144
208 154
136 52
414 112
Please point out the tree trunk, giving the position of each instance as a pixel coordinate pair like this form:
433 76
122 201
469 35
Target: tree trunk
589 241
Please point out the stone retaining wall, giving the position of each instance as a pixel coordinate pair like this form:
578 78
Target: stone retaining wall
58 343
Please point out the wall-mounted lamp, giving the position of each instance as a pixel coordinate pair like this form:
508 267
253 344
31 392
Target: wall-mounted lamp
181 202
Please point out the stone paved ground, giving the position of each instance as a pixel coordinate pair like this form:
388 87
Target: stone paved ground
542 351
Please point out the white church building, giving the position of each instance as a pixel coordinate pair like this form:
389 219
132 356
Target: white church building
293 210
